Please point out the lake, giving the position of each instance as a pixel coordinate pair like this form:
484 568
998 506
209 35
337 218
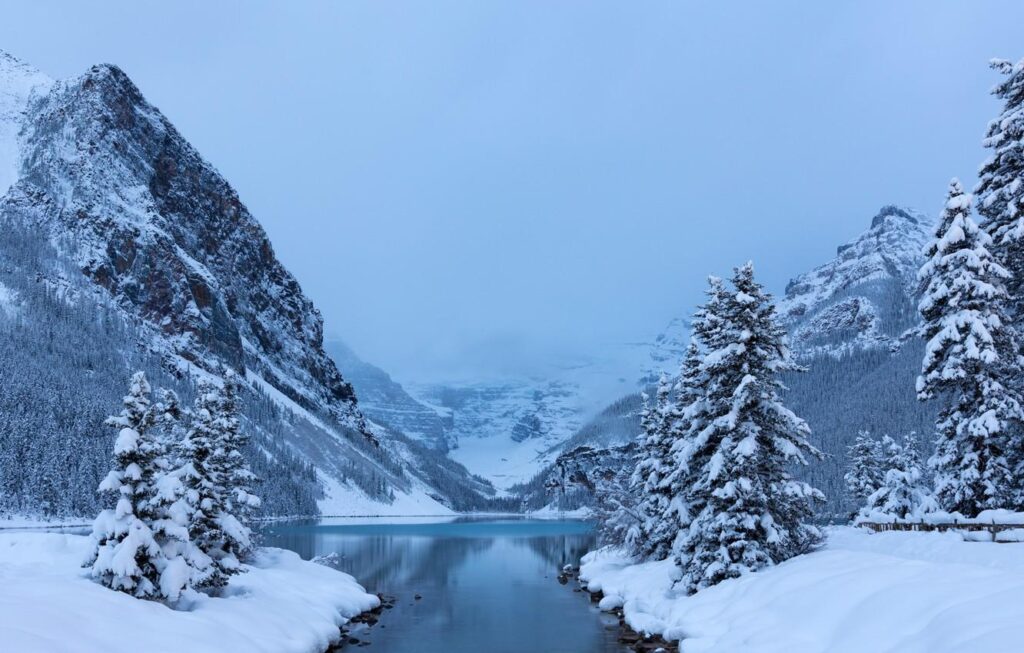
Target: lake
485 584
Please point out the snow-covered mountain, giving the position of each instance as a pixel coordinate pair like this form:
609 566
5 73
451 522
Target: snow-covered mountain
109 212
864 298
385 401
505 430
860 305
861 299
851 322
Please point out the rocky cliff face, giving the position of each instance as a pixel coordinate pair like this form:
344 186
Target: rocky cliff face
866 296
150 221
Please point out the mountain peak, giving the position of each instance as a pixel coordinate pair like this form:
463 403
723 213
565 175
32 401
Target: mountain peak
13 67
156 225
896 212
847 301
19 82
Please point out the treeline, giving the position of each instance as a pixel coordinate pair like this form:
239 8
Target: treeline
65 359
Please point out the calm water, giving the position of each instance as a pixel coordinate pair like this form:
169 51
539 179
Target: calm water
487 585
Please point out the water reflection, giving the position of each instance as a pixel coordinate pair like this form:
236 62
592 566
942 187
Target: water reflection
485 584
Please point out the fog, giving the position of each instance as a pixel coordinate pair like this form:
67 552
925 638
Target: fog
488 188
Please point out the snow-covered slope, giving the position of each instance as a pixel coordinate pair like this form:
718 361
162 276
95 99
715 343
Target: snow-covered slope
18 83
507 430
113 209
501 430
385 401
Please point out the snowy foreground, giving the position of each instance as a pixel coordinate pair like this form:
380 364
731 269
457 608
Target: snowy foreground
282 605
896 591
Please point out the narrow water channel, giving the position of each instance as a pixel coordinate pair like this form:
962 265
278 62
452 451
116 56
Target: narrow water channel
485 584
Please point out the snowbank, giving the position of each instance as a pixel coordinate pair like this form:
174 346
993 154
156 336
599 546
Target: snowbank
897 591
550 512
282 605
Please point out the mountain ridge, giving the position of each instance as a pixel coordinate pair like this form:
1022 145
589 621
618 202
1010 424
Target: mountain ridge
116 210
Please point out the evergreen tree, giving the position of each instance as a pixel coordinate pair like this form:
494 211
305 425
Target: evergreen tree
621 511
126 554
615 497
216 481
186 563
1000 188
866 472
240 502
654 466
695 443
1000 194
681 476
970 362
903 493
751 511
203 480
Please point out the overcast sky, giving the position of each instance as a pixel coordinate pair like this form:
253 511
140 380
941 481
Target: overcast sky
478 187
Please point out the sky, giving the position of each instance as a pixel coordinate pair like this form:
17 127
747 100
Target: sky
480 189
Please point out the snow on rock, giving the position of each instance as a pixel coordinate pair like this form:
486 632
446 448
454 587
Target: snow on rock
861 299
384 400
283 605
19 82
883 592
507 430
7 297
891 248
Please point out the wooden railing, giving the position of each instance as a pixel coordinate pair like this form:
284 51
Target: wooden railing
992 528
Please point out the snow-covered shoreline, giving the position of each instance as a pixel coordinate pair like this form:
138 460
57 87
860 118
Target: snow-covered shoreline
282 605
906 592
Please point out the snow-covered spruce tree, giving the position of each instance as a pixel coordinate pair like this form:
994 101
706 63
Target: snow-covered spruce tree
903 493
624 525
866 467
126 554
697 443
653 466
240 502
615 500
753 513
1000 189
1000 194
676 515
619 502
187 565
970 362
210 473
203 478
